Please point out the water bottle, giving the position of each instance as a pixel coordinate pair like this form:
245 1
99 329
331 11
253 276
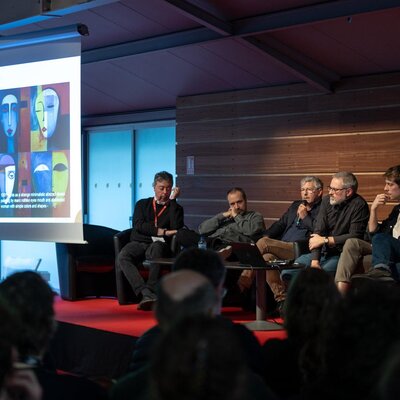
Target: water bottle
202 243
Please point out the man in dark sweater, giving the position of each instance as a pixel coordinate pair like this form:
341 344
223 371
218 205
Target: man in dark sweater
297 223
343 214
155 220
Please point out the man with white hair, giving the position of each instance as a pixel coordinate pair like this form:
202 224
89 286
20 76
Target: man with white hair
343 214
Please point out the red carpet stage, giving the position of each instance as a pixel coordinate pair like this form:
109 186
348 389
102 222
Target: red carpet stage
96 337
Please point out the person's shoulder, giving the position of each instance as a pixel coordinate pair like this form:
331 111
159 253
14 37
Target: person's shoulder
174 203
325 200
359 200
252 213
144 201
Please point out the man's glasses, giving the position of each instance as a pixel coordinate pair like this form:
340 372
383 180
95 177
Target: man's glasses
304 190
335 190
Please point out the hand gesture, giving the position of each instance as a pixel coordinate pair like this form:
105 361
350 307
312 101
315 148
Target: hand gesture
175 193
302 211
315 241
228 214
380 199
23 384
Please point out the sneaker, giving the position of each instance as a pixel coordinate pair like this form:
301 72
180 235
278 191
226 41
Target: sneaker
225 252
379 274
148 302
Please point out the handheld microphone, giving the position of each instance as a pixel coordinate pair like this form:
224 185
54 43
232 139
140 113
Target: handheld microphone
298 219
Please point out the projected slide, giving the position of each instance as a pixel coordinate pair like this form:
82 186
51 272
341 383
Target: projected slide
40 140
34 151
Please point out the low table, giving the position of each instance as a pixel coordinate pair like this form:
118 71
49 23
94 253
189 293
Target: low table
260 323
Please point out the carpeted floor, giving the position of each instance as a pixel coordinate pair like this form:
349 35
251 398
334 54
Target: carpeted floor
96 337
108 315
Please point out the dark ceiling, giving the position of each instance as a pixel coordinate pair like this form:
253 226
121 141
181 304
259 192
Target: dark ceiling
143 54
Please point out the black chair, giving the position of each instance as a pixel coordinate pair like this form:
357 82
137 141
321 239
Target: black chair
87 270
300 247
125 293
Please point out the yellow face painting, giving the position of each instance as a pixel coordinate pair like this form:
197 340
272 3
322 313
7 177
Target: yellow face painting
60 176
47 105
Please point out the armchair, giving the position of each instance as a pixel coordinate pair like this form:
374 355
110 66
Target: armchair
86 270
300 247
125 293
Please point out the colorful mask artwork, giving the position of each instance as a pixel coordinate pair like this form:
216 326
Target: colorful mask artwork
9 114
47 105
7 177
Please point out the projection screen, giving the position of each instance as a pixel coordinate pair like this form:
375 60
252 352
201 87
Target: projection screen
40 137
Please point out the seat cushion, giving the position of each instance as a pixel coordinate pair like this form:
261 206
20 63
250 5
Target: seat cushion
94 264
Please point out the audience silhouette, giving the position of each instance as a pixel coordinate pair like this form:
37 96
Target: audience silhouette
31 299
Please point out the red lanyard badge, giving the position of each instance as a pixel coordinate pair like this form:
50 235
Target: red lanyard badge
159 213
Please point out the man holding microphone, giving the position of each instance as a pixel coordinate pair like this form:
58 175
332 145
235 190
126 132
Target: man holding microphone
277 243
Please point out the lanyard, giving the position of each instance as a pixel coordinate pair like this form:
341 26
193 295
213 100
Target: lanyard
159 213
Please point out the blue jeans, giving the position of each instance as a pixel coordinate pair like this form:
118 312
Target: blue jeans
328 264
386 252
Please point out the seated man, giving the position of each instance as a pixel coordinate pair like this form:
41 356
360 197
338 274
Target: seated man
385 236
155 220
234 225
296 224
343 215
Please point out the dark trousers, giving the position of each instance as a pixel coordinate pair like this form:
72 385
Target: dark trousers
386 251
133 254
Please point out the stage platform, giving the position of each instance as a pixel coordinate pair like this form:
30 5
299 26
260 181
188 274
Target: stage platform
96 337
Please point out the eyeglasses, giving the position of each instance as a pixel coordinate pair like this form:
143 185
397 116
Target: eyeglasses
335 190
304 190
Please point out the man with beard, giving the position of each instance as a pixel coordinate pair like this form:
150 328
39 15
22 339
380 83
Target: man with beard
343 214
237 224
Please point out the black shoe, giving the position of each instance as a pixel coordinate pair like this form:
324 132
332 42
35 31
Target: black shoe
376 274
278 311
148 302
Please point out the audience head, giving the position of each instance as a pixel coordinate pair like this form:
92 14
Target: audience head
207 263
311 294
343 186
311 189
17 380
389 382
9 329
357 337
31 298
184 293
203 360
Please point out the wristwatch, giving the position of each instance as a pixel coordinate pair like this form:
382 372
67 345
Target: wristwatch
326 240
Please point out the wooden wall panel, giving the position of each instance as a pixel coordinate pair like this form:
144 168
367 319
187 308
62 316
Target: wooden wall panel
265 140
358 121
270 188
371 99
287 155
